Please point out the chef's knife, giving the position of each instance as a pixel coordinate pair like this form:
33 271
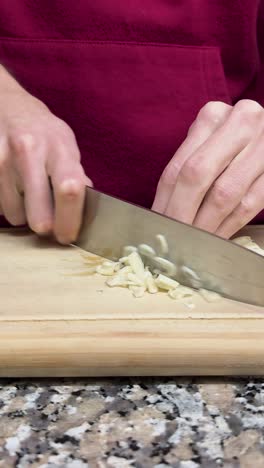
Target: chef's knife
110 224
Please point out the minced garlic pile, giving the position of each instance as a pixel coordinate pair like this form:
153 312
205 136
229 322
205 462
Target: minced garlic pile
130 271
248 243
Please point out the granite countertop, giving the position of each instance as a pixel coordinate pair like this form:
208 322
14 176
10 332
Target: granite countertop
120 423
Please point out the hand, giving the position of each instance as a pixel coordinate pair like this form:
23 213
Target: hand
37 151
215 180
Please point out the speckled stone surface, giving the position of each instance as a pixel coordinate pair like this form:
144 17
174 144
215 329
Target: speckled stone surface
120 423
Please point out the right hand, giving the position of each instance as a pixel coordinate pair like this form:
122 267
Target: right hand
39 151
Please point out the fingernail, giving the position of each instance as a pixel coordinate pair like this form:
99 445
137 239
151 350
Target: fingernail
43 228
66 240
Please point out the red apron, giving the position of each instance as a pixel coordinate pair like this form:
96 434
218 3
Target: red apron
130 76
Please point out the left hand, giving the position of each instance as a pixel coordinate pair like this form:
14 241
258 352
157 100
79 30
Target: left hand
215 180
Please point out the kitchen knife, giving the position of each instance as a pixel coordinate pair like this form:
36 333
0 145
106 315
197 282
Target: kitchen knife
110 224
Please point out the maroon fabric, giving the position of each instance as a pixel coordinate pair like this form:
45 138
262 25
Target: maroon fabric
130 76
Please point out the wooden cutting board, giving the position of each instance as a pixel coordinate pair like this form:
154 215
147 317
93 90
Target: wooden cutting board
57 321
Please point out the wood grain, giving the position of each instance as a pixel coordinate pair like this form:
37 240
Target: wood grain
56 323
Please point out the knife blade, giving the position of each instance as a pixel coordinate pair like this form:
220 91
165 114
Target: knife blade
110 224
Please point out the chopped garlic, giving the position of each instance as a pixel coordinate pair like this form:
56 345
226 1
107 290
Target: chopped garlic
180 292
248 243
150 283
117 267
131 273
163 282
108 268
134 279
105 270
167 267
125 270
256 249
243 240
209 296
124 260
137 265
138 291
163 244
191 277
116 280
147 250
108 263
129 249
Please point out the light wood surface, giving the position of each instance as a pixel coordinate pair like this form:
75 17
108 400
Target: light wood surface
55 321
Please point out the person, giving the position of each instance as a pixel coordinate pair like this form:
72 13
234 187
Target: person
157 102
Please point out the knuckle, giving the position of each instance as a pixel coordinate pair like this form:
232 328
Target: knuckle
246 207
71 188
192 172
23 142
212 112
247 110
63 128
171 172
221 196
65 140
248 105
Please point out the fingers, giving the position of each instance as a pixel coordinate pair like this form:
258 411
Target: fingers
69 199
53 182
250 205
38 200
30 162
208 120
11 202
230 188
68 182
41 161
210 160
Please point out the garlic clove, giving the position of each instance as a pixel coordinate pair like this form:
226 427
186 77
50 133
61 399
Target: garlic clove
147 250
128 249
138 291
165 266
105 271
150 283
116 281
135 279
137 265
243 240
248 243
163 282
180 292
163 244
191 276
